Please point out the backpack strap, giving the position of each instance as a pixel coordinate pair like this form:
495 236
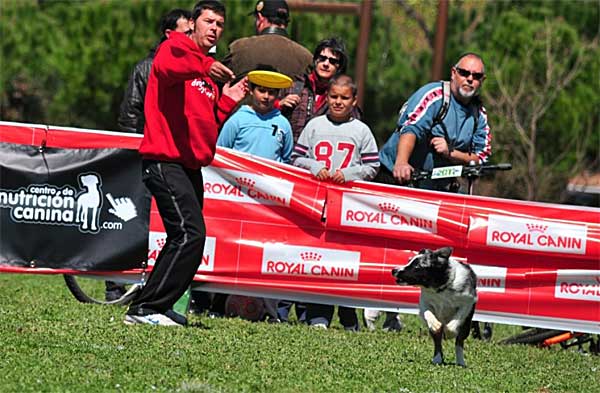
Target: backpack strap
439 117
445 103
476 105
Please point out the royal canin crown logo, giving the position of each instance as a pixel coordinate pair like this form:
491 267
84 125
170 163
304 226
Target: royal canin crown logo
160 243
536 228
529 234
245 182
389 207
310 256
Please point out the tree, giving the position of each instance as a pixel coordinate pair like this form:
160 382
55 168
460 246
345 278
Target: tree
529 81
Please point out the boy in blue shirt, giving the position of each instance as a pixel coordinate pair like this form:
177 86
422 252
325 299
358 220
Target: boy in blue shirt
259 128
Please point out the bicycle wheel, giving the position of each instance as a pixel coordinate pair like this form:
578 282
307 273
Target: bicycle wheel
531 336
93 290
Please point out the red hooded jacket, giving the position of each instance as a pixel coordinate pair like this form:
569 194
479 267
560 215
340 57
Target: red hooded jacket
183 106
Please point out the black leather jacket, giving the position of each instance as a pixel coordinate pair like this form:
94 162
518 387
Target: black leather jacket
131 113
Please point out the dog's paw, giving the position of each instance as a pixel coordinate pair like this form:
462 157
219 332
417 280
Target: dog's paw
451 329
460 356
433 324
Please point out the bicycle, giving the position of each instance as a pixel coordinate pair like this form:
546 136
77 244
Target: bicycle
90 288
545 338
471 172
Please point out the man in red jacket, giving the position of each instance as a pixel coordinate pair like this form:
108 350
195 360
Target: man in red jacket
183 109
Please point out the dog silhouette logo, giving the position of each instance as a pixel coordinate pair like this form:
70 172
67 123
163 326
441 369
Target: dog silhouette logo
89 202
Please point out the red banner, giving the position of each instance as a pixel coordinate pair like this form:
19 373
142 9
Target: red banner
274 231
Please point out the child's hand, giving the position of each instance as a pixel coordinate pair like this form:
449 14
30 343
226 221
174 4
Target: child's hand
338 177
323 174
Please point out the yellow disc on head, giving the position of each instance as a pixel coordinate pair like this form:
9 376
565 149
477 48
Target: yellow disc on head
270 79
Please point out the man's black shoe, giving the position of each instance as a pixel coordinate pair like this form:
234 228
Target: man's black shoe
176 317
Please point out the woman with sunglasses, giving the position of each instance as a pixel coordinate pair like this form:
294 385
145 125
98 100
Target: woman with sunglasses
307 98
423 141
304 101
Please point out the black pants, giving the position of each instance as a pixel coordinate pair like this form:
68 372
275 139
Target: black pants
323 313
179 195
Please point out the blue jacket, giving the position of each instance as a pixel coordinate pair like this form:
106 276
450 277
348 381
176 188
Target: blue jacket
268 136
418 118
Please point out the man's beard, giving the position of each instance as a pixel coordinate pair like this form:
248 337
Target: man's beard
467 93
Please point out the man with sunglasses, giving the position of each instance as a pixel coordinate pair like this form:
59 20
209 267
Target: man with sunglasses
423 141
430 135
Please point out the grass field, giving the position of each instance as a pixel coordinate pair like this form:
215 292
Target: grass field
51 343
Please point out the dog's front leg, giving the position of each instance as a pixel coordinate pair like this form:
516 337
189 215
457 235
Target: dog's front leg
451 329
463 333
437 334
460 356
434 325
438 356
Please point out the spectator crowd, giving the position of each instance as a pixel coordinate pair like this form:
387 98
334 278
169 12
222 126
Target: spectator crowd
185 102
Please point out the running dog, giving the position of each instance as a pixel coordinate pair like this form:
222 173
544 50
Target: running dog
448 297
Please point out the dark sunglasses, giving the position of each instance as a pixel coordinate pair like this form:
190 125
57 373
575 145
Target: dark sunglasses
465 73
332 60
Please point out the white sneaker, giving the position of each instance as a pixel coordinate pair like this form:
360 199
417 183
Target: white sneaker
319 326
370 316
151 319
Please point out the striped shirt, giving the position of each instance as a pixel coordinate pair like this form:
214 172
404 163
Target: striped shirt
422 108
349 147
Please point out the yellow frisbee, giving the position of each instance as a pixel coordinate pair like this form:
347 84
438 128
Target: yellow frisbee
270 79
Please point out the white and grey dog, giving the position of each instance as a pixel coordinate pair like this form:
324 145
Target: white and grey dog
448 296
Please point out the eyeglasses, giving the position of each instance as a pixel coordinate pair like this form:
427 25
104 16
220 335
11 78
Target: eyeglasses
465 73
332 60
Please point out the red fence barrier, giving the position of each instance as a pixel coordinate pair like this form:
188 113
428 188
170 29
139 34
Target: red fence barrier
274 231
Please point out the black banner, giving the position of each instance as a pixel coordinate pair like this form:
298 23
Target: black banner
83 209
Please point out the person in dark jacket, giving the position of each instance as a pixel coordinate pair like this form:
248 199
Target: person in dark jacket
131 113
270 46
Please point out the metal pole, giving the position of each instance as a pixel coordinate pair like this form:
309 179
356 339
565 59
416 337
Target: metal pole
439 47
366 10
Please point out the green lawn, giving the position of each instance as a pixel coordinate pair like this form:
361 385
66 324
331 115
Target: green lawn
49 342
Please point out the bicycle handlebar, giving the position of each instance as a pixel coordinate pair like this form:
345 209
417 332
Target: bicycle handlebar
468 171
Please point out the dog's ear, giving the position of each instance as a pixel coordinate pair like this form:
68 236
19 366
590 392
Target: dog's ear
424 250
444 252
